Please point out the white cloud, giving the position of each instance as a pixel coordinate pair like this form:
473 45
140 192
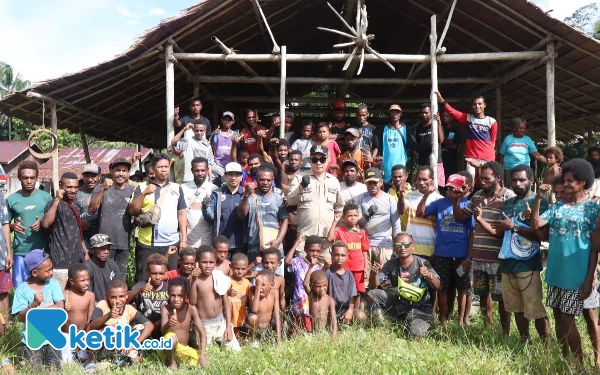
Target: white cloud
131 22
125 12
156 12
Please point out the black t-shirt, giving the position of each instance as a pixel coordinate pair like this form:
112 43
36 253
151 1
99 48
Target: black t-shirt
114 218
340 132
423 139
65 236
100 277
187 119
450 157
149 304
342 288
368 139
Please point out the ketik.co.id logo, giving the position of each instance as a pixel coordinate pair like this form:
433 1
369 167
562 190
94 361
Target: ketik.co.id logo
43 326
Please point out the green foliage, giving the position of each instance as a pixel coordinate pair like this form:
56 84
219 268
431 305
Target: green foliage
586 19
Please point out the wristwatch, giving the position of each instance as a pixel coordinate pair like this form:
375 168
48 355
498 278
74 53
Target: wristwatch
515 228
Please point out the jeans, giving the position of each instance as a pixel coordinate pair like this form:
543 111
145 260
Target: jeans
44 356
121 257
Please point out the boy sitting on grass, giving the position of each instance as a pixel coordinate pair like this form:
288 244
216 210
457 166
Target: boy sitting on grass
209 295
79 305
113 311
299 265
176 323
264 308
221 246
321 305
188 267
238 292
148 297
40 291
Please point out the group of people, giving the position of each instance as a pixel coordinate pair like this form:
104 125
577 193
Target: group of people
242 236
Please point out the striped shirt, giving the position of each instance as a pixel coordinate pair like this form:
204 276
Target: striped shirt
480 136
486 247
422 229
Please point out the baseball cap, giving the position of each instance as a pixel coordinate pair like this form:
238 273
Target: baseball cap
319 150
350 161
395 107
233 167
99 240
353 131
373 174
456 181
339 105
120 161
34 258
228 113
91 168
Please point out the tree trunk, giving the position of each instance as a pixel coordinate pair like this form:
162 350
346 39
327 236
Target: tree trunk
10 128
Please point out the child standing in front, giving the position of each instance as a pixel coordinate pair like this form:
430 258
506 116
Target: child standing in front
304 144
264 309
299 265
238 292
221 246
321 305
40 291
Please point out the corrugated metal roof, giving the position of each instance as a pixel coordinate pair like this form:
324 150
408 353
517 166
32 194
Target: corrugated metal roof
72 159
9 150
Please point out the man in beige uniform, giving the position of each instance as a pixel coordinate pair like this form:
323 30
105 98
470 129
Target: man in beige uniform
318 196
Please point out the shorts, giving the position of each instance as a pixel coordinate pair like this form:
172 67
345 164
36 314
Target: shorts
183 353
215 333
486 280
593 301
62 276
19 271
359 279
266 333
303 322
5 281
564 300
446 269
70 356
416 322
522 293
377 254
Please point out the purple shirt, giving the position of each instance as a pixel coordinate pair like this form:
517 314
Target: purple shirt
300 299
223 148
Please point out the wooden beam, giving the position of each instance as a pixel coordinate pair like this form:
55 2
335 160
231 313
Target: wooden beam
170 91
54 128
84 143
335 81
433 158
499 116
269 99
550 95
282 91
259 21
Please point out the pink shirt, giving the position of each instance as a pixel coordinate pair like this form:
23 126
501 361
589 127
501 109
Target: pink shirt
334 152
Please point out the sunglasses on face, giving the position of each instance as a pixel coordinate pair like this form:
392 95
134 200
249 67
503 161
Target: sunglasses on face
405 245
316 160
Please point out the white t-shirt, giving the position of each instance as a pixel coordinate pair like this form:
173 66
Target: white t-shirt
350 193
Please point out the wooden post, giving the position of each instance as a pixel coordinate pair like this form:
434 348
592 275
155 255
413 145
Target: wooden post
170 84
433 158
499 116
54 128
86 150
138 148
196 90
282 91
216 117
550 95
590 135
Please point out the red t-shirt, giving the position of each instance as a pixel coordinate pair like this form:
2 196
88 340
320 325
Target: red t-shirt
334 152
357 241
172 274
250 139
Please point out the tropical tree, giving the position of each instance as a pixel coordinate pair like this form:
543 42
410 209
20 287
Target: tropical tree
9 84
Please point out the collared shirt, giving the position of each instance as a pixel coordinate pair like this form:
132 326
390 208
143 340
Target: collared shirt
316 203
271 210
229 225
193 148
166 232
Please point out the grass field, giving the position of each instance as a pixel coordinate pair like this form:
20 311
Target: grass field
374 350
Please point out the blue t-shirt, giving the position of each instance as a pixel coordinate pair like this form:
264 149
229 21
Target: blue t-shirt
24 296
452 236
394 150
571 227
516 151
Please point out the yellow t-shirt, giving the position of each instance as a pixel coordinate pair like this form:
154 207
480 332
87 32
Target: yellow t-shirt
404 216
238 303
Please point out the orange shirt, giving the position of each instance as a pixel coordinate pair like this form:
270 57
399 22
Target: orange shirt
238 303
358 156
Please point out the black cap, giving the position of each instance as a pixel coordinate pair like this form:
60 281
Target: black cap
319 150
373 174
350 161
120 161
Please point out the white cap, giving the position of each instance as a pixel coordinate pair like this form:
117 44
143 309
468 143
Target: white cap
233 167
228 113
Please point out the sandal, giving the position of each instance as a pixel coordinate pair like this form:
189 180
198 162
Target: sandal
89 368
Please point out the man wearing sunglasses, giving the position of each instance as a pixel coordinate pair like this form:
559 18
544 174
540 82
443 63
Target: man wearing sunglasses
318 196
402 287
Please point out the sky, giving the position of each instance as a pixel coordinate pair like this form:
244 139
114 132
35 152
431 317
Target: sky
47 39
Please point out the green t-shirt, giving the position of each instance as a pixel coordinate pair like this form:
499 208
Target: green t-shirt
27 208
514 208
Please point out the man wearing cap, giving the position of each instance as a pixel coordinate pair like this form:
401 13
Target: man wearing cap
379 218
362 157
351 188
222 140
110 201
221 209
62 220
339 126
318 196
89 222
102 269
199 231
452 243
397 142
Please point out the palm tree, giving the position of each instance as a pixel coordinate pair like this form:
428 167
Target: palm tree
9 84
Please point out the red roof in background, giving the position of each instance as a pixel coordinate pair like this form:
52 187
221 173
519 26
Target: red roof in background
72 159
9 150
